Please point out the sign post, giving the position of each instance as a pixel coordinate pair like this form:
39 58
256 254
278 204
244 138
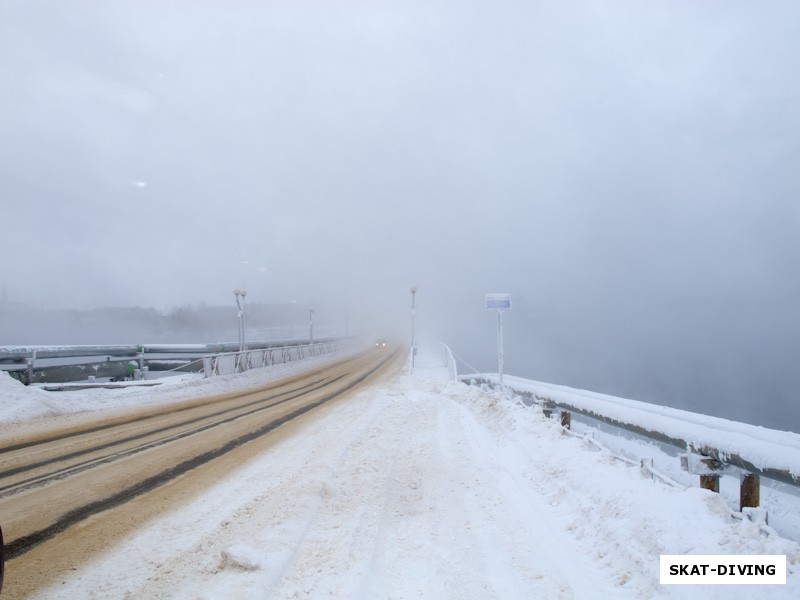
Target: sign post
499 303
413 332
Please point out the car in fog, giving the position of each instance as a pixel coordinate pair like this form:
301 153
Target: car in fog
381 344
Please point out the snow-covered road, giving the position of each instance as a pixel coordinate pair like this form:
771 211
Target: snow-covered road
424 488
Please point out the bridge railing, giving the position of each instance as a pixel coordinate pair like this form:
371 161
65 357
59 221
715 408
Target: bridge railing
53 364
449 360
228 363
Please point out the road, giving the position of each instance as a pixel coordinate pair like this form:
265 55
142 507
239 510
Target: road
66 494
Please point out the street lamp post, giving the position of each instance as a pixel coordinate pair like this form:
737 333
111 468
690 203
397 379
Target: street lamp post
413 332
240 293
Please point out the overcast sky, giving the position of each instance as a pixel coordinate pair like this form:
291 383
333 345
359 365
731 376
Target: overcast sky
628 171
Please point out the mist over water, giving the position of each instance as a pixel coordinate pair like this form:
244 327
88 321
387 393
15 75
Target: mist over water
627 171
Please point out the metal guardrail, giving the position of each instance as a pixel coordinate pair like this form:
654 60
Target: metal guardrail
20 354
228 363
720 456
11 355
70 363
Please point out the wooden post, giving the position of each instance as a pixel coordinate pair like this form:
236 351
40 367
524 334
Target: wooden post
749 491
565 419
710 482
709 476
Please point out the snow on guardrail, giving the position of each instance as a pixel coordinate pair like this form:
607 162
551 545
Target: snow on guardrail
769 452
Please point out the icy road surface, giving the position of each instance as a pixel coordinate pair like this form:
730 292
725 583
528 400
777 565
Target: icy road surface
423 488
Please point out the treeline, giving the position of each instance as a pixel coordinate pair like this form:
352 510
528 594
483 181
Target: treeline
21 325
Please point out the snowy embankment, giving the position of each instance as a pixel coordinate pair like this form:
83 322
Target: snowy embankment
764 448
423 488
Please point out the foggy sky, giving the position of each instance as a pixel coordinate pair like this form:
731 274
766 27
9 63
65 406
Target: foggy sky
628 171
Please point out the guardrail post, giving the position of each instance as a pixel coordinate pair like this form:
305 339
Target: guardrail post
749 491
710 482
709 478
566 419
207 367
707 467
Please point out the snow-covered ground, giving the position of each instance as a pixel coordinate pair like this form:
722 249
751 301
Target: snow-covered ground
422 488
